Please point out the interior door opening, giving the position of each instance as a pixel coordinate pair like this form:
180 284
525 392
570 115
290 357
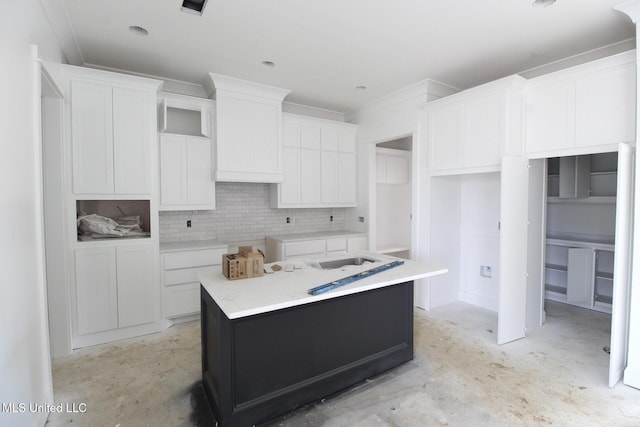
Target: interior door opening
54 217
394 204
584 242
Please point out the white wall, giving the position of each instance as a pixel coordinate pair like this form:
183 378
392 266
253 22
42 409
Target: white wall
24 353
395 116
393 215
464 212
479 238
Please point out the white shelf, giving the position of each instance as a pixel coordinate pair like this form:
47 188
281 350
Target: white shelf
587 200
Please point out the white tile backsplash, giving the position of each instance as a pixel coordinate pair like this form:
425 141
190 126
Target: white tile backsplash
243 214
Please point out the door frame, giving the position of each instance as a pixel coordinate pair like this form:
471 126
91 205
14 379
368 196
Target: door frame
415 251
53 213
620 308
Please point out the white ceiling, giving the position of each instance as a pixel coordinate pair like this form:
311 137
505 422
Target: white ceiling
324 48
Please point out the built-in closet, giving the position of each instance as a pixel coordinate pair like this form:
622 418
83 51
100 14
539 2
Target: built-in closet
580 230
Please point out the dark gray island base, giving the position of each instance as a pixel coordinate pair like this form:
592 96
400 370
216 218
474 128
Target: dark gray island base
258 367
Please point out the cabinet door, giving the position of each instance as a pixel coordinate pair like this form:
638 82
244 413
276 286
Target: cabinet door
356 244
444 138
330 139
96 293
512 295
305 248
550 116
610 119
310 173
290 192
182 300
580 272
135 277
249 141
92 138
347 178
133 113
200 185
311 137
484 131
329 176
173 172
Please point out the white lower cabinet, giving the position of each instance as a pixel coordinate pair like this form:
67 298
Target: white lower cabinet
114 287
580 273
313 245
180 278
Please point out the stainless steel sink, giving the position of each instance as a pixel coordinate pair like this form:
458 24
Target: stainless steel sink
344 262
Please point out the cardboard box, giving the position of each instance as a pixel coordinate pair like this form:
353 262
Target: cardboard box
234 266
243 265
255 264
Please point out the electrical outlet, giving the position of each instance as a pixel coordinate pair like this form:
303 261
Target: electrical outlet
188 223
485 271
331 218
360 219
288 220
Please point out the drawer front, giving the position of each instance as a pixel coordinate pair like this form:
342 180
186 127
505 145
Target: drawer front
335 245
188 259
182 299
309 247
335 253
186 275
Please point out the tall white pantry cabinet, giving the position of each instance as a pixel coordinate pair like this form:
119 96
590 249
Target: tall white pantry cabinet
110 152
489 221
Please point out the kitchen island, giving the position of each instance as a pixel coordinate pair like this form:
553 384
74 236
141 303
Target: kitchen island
268 346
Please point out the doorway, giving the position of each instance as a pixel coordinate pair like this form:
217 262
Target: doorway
394 197
587 240
54 218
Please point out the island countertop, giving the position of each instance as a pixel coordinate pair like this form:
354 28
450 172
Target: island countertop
283 289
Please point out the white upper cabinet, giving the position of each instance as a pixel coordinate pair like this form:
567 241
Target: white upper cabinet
249 131
472 130
113 128
185 115
319 164
186 155
185 173
577 109
392 166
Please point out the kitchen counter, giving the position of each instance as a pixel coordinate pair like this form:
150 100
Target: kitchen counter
191 245
269 347
281 289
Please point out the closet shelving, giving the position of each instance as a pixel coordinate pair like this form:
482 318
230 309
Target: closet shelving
579 255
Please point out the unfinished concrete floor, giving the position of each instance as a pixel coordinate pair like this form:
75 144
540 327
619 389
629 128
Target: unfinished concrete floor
459 377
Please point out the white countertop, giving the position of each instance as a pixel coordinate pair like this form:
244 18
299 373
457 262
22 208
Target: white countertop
314 235
246 297
191 245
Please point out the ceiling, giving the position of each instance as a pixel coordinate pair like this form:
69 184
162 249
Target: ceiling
323 49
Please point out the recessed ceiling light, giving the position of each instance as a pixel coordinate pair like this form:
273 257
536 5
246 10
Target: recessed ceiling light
194 7
361 87
140 31
269 64
543 3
